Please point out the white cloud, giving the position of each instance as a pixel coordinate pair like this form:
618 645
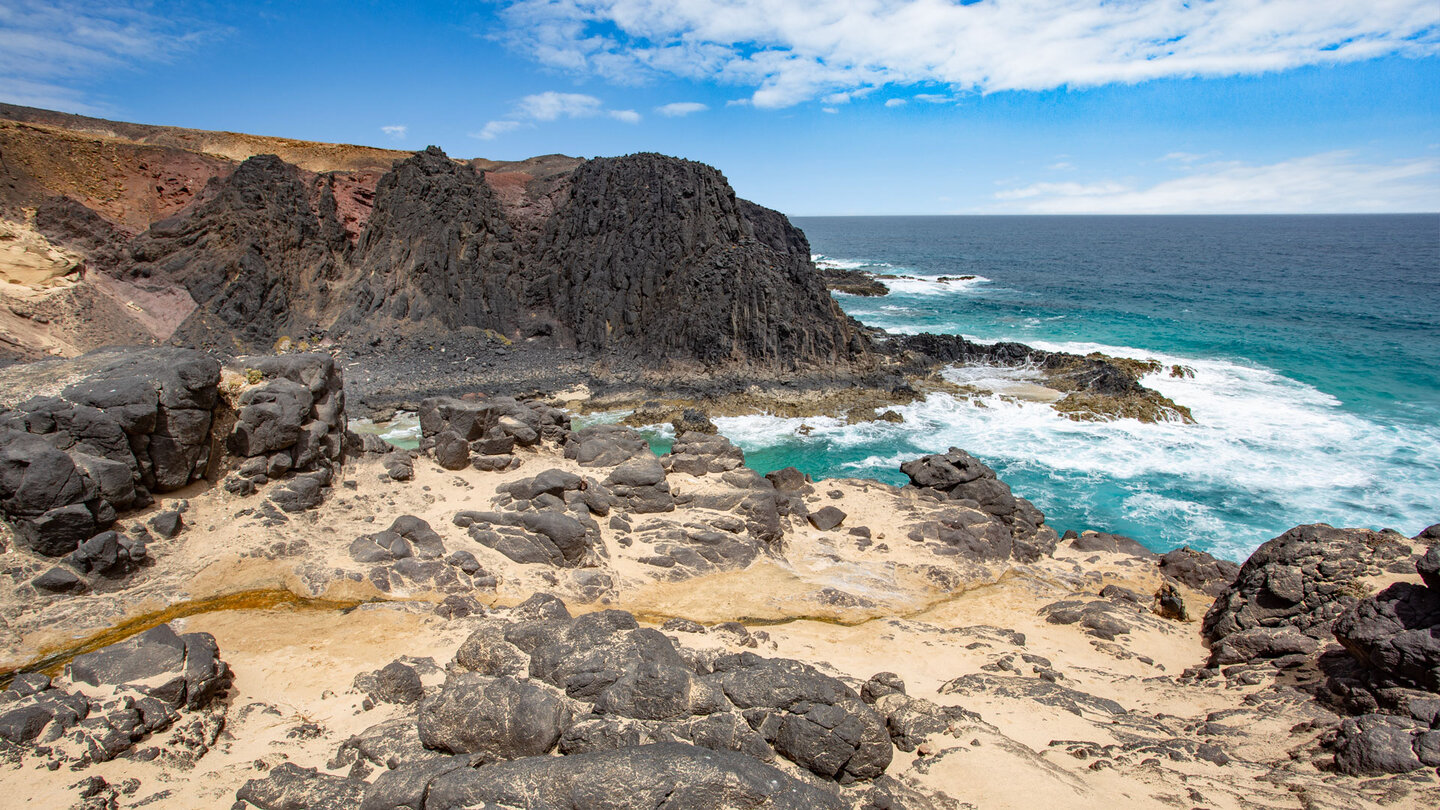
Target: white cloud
1061 166
49 51
681 108
895 102
1330 182
791 51
830 110
551 106
495 129
396 131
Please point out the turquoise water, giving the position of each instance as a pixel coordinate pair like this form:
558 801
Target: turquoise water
1314 341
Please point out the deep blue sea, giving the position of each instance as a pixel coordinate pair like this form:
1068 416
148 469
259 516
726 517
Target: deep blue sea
1314 340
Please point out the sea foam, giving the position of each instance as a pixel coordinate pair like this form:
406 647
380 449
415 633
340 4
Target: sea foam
1266 453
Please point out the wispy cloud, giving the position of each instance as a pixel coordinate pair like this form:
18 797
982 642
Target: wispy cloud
1330 182
51 51
680 109
895 102
551 106
396 131
797 50
495 129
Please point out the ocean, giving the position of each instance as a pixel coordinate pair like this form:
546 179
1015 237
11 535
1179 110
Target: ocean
1314 341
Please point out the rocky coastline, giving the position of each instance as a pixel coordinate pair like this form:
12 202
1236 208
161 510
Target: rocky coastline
520 612
215 593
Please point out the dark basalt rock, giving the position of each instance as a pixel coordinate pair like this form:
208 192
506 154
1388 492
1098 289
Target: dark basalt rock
249 254
1303 579
789 479
1261 643
810 718
1429 568
1374 745
182 670
697 454
154 676
664 775
1199 570
653 258
398 683
826 518
500 717
437 250
59 580
605 446
693 420
959 476
167 524
290 787
1397 634
1036 689
1113 543
1100 617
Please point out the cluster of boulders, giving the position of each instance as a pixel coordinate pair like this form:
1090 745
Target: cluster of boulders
1390 678
112 698
624 706
1306 588
289 426
484 433
1290 591
410 555
136 422
1019 531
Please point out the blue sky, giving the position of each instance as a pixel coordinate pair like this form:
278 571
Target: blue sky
846 107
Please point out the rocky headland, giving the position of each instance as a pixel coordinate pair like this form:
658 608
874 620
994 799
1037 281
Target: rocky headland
215 593
641 277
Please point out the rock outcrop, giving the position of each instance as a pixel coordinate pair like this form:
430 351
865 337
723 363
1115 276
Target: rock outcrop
119 425
653 258
112 698
1290 591
128 423
960 477
1393 639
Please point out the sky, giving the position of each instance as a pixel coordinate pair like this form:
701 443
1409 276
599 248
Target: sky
812 108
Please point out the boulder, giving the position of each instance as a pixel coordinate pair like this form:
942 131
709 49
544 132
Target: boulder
500 717
662 775
1303 579
1375 744
812 719
1198 570
180 670
605 446
1258 643
290 787
959 476
398 683
451 450
1113 543
1397 634
59 580
827 518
